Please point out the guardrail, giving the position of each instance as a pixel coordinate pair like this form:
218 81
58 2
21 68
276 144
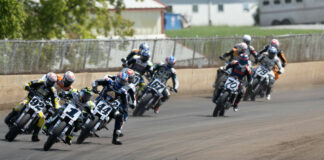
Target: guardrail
40 56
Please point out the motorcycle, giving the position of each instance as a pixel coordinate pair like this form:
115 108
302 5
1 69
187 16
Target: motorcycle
99 117
28 117
64 122
150 97
227 96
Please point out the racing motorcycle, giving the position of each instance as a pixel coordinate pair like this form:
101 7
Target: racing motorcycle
150 96
222 75
99 117
65 123
28 117
260 82
227 96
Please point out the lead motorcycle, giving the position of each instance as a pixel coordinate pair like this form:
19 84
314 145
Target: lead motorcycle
27 120
227 96
99 117
151 95
65 123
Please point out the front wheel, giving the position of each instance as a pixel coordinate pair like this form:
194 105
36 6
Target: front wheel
85 132
15 130
52 138
141 107
220 108
255 89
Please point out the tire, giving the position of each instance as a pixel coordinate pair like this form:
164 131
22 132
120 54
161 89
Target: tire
221 79
220 109
254 85
15 130
141 107
52 138
86 131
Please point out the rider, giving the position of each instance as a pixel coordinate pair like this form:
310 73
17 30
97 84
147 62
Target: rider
250 49
270 61
235 52
164 72
280 54
240 69
142 65
82 100
142 48
44 87
113 88
65 83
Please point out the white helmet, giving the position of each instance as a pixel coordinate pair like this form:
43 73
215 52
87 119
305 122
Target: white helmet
274 43
247 39
68 78
50 79
242 47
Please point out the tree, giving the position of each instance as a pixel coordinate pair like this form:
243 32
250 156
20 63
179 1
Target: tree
12 16
77 19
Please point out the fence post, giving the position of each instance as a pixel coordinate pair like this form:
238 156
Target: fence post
85 55
133 43
38 55
108 54
194 52
62 55
13 57
174 46
153 51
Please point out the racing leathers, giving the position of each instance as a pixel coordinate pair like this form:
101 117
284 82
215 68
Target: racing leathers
142 67
281 56
47 92
240 72
110 92
134 52
163 72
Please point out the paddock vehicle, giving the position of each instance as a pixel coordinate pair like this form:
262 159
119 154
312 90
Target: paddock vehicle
27 120
227 96
150 97
99 117
65 123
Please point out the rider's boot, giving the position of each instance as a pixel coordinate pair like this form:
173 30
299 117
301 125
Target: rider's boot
115 139
35 134
68 139
10 116
268 92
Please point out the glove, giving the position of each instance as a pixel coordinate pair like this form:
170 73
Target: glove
95 90
175 90
284 65
221 57
279 72
27 88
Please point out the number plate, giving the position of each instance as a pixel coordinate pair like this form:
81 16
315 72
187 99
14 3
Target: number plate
158 85
37 104
103 108
262 71
72 112
232 84
136 80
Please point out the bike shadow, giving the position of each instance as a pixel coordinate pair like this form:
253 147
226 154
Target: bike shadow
51 150
211 116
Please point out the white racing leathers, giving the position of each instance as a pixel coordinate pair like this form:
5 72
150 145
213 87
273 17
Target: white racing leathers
270 64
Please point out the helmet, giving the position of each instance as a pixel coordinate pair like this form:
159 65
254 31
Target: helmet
243 59
50 79
145 56
121 79
274 43
242 47
85 94
144 47
130 74
68 78
247 39
272 52
170 61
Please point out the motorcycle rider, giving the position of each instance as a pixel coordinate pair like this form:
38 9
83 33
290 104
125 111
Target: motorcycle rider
113 88
164 72
44 87
235 52
250 49
240 69
280 54
82 100
142 65
270 61
142 48
64 83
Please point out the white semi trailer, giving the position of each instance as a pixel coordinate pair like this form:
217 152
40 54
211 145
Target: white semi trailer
285 12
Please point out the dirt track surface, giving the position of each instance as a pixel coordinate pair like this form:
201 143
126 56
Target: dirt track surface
290 126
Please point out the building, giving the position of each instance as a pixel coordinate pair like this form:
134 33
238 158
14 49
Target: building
214 12
147 15
277 12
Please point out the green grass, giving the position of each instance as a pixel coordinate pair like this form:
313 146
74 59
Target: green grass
212 31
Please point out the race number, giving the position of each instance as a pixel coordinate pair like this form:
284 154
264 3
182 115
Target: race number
232 84
72 112
262 71
103 108
36 104
157 85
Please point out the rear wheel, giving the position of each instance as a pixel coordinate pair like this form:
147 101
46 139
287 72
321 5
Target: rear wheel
141 107
86 131
14 130
220 109
255 89
52 138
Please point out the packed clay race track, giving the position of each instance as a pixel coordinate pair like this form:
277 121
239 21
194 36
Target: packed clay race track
290 126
